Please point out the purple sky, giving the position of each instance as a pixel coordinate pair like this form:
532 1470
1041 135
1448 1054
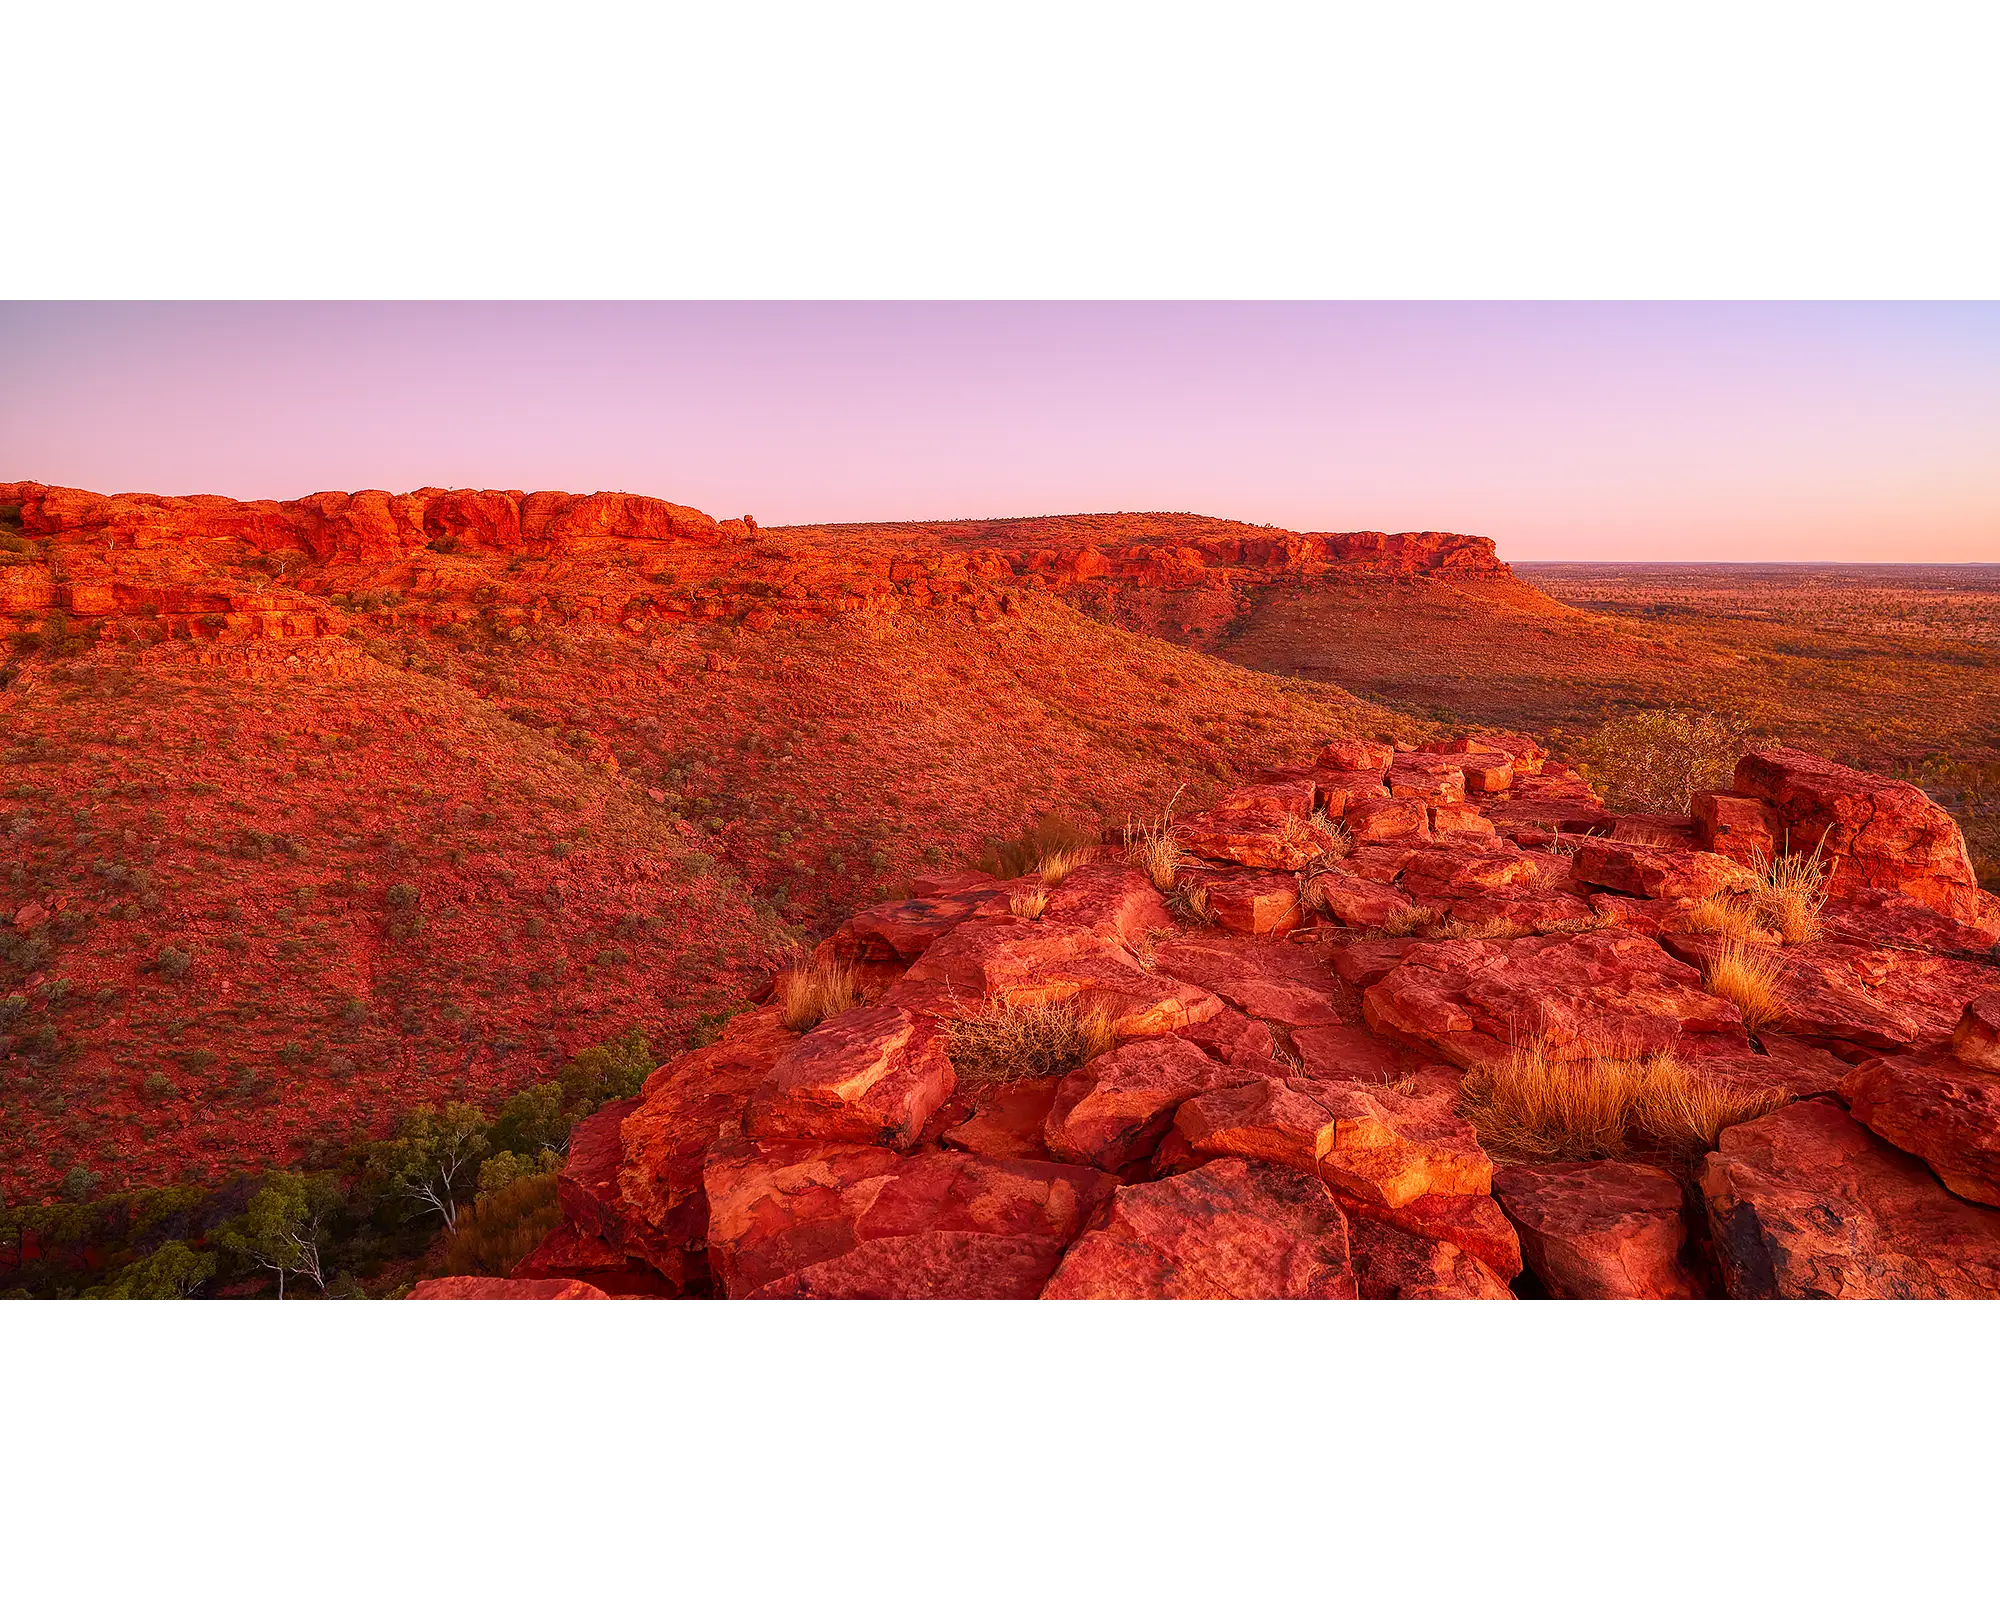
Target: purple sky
1577 431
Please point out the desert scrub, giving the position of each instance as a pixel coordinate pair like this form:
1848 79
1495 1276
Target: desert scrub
1189 902
1042 1039
1729 916
1029 903
1791 894
1152 848
811 991
506 1223
1659 760
1592 1099
1751 978
1049 835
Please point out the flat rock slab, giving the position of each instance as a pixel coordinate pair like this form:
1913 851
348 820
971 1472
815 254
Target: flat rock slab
1390 1264
1386 1147
1599 1230
1114 1110
1938 1109
1116 902
943 1265
506 1289
1807 1204
1657 872
1231 1230
871 1074
1271 980
902 930
1011 961
1002 1119
778 1209
1471 1223
1471 1000
1254 903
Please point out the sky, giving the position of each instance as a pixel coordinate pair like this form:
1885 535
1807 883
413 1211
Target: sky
1581 431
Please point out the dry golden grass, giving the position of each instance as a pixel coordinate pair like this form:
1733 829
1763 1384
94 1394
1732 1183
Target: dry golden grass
1005 1044
1791 894
1751 978
1540 1106
811 991
1327 839
1483 928
1056 865
1189 902
1722 913
1029 903
1405 921
1152 848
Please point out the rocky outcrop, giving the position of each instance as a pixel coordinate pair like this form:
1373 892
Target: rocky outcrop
1278 1115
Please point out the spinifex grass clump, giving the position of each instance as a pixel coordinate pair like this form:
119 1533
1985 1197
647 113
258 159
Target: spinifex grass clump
1050 837
1152 848
1751 978
1791 894
1029 903
1594 1099
1056 865
1042 1039
811 991
1731 916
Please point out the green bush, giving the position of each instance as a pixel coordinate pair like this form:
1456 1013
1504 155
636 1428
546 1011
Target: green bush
1659 760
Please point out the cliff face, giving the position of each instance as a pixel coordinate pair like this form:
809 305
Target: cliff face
206 567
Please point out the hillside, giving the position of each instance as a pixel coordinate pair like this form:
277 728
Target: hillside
322 808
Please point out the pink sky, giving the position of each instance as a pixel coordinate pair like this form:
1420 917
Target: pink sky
1564 431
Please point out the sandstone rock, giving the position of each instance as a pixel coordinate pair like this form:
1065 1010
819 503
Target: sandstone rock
1976 1039
1793 1066
1112 1111
1254 902
1472 1000
1273 980
1486 771
1267 803
1432 779
1525 755
1874 832
1599 1230
1003 1120
1115 901
1884 917
588 1191
1366 962
1375 821
1232 1230
1356 755
1460 822
1355 900
654 1206
1473 1224
1247 841
566 1253
1233 1038
1940 1110
902 930
1656 872
1346 1050
941 1265
1365 1139
1334 792
872 1074
778 1209
1390 1264
1010 961
506 1289
1738 826
1806 1204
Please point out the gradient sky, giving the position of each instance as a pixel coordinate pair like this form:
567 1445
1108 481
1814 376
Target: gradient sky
1564 431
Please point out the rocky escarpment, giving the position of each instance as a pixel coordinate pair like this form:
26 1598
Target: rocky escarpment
1282 1110
210 568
